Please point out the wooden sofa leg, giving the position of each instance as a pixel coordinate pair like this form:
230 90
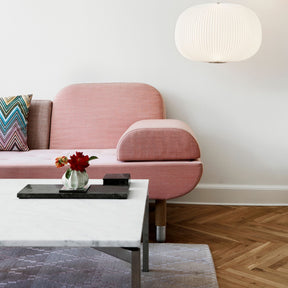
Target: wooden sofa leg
160 220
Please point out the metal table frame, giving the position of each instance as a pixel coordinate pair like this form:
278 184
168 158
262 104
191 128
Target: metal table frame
132 254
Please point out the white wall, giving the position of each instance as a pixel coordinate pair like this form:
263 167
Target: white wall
237 110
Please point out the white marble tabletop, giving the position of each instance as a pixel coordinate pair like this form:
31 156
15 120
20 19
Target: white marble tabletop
70 222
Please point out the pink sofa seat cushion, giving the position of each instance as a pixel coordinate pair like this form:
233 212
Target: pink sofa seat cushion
158 140
168 179
92 115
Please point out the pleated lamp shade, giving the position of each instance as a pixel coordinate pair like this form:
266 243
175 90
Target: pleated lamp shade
218 32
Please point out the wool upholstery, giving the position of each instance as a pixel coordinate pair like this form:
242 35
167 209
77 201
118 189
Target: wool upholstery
164 139
39 121
167 179
87 116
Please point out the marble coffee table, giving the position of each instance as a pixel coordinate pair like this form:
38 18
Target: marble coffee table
112 226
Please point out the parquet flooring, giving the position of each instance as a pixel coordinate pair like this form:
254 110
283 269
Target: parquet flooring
249 244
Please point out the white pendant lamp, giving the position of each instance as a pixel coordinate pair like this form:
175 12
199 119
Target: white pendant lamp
218 32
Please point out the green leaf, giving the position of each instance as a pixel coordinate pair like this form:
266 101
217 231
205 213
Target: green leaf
68 173
93 157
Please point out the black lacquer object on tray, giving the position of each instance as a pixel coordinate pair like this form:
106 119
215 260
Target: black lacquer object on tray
116 179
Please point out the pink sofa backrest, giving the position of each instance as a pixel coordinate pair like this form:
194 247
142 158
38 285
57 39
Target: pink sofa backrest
96 115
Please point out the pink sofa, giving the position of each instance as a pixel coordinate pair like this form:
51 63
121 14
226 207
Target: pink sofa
121 123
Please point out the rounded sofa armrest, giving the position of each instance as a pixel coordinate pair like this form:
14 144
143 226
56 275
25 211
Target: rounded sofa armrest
158 140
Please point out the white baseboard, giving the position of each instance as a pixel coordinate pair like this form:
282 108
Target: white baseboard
222 194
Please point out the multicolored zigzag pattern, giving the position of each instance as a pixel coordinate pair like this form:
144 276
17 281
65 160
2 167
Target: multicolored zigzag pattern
13 122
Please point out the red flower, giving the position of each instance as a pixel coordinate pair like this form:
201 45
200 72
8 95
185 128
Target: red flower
79 161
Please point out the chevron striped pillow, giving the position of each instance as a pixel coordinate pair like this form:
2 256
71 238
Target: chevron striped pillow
13 122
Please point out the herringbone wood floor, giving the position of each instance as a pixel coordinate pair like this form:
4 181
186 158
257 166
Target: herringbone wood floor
249 244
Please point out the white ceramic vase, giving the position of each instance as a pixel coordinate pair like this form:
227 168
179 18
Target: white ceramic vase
76 181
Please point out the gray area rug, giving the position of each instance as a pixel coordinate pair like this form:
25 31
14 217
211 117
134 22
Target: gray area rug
171 265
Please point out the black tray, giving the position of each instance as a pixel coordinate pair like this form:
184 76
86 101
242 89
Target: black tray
52 191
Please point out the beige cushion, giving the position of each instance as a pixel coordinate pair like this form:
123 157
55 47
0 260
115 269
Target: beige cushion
39 120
